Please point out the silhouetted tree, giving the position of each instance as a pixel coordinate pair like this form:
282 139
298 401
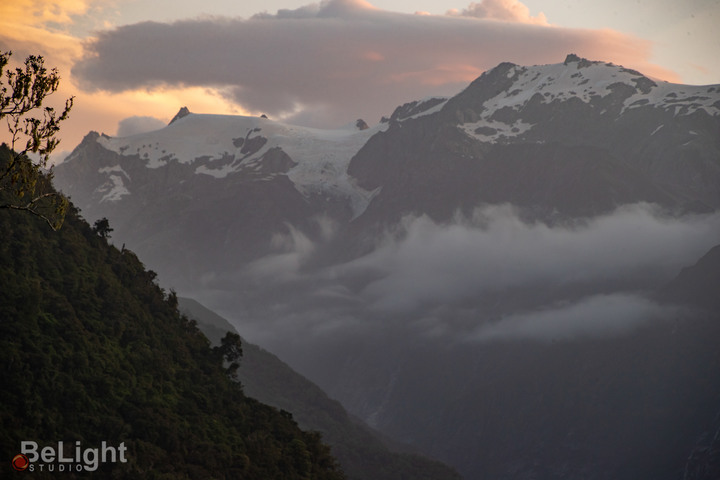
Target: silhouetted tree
230 350
33 128
102 227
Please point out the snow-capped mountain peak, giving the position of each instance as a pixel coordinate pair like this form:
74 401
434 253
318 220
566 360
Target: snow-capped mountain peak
588 80
603 87
315 160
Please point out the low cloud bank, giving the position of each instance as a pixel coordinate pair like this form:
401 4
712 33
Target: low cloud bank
597 316
495 250
486 278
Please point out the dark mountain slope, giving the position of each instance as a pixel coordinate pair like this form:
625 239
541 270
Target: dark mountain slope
697 285
446 171
360 451
645 405
575 139
626 408
92 350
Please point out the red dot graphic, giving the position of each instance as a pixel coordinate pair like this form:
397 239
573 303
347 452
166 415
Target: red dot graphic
20 462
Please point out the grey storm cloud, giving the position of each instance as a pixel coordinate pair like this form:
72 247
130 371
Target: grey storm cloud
339 60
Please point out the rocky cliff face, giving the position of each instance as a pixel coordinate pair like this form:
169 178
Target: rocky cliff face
184 111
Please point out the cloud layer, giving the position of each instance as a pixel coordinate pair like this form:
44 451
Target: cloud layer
503 10
487 278
332 62
596 316
138 124
495 250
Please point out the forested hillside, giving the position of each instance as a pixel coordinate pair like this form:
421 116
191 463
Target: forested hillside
92 350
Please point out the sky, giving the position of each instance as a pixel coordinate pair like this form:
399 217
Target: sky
132 64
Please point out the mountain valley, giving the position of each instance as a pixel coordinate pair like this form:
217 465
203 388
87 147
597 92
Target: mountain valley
508 280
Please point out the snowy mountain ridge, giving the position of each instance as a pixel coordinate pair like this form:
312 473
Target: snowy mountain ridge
221 145
589 82
316 160
584 79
